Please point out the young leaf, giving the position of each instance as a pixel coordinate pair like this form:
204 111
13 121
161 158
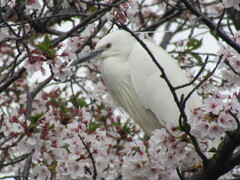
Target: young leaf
45 45
35 118
194 44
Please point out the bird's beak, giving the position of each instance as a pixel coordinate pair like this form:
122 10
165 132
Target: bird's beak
89 56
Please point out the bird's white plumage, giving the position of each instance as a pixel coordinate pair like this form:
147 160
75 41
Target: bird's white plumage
134 81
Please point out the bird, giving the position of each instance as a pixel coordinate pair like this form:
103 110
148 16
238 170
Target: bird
135 83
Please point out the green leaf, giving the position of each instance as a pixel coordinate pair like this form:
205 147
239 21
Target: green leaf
94 126
63 108
35 118
34 122
179 128
126 128
197 57
78 102
194 44
45 45
54 101
101 106
81 103
93 9
51 126
116 124
212 150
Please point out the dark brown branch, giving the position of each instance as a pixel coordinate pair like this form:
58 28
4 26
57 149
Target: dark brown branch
232 68
14 161
204 80
31 95
235 159
235 17
27 166
212 26
235 118
68 15
220 20
13 78
83 23
88 39
13 144
223 161
91 157
1 120
169 15
179 174
196 77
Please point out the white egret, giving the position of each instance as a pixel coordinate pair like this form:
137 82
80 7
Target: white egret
134 81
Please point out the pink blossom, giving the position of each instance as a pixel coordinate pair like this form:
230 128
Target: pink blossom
33 4
231 3
226 121
213 105
200 129
235 63
3 33
61 72
41 172
74 43
35 62
215 130
76 169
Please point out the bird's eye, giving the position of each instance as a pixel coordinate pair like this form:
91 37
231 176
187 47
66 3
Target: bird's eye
108 45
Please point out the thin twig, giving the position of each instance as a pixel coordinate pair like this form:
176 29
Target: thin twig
27 166
230 66
91 157
31 95
13 78
48 17
212 26
196 77
219 22
193 27
84 22
205 79
14 161
235 118
1 121
88 39
13 144
179 173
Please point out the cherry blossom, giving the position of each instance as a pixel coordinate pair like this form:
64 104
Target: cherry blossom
213 105
72 123
33 4
41 172
231 3
3 33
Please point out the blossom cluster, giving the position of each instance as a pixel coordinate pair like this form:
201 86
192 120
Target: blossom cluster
231 3
73 131
230 61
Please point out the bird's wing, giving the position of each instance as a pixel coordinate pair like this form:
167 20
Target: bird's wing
152 90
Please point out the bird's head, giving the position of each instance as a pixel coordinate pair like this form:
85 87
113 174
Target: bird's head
114 44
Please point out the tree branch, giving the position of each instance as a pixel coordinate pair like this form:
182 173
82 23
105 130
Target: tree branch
91 157
27 166
84 22
31 95
212 26
13 78
223 161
